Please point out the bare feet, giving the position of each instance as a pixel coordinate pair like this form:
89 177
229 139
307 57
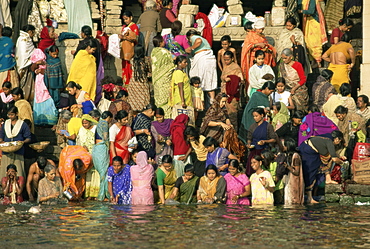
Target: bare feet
331 182
313 201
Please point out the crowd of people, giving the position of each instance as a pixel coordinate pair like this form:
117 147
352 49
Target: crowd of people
135 140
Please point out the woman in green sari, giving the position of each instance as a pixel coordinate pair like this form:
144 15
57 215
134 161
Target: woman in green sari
166 178
186 186
280 115
162 69
100 153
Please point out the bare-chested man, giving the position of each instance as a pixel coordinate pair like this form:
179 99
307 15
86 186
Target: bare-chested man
35 174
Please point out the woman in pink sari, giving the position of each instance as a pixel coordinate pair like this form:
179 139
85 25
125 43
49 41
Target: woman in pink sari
119 135
238 186
141 178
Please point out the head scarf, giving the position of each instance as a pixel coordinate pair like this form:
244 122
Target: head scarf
179 122
259 23
214 113
89 118
282 116
46 41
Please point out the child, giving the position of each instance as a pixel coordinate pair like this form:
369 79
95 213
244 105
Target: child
262 184
197 94
280 95
53 74
257 71
6 100
270 165
225 44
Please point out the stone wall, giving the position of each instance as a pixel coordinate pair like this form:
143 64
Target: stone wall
348 194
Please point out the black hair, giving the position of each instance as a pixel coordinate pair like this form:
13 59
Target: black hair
258 158
121 93
73 84
338 134
179 59
78 164
192 131
150 106
7 31
248 26
341 110
280 80
11 166
345 89
166 159
209 141
292 20
121 115
13 109
106 114
290 144
278 105
235 164
194 80
189 168
18 91
41 162
159 111
92 43
313 108
166 2
258 53
268 158
346 21
298 114
140 67
119 81
157 40
346 37
49 167
327 74
365 99
52 48
127 13
268 84
87 30
214 168
192 32
7 84
28 27
259 110
229 53
117 159
95 113
176 28
226 38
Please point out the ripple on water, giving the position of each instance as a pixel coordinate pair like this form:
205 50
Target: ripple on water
98 225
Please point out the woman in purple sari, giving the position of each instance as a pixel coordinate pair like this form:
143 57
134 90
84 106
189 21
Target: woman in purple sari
238 186
260 134
217 156
314 124
162 136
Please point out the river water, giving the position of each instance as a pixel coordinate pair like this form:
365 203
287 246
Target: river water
101 225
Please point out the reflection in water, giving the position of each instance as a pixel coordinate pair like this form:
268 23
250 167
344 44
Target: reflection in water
96 225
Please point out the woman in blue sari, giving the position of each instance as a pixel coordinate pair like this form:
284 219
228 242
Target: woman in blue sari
260 134
119 182
217 156
100 153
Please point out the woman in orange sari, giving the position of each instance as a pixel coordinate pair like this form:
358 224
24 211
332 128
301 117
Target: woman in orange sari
74 162
129 35
254 41
119 135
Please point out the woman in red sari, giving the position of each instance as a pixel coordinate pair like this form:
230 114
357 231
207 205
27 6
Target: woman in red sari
119 135
254 41
129 35
47 36
74 162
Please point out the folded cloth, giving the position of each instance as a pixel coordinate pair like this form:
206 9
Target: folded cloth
67 35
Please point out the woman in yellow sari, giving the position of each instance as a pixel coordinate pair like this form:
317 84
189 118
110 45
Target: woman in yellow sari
314 28
338 55
166 178
83 69
24 107
212 186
